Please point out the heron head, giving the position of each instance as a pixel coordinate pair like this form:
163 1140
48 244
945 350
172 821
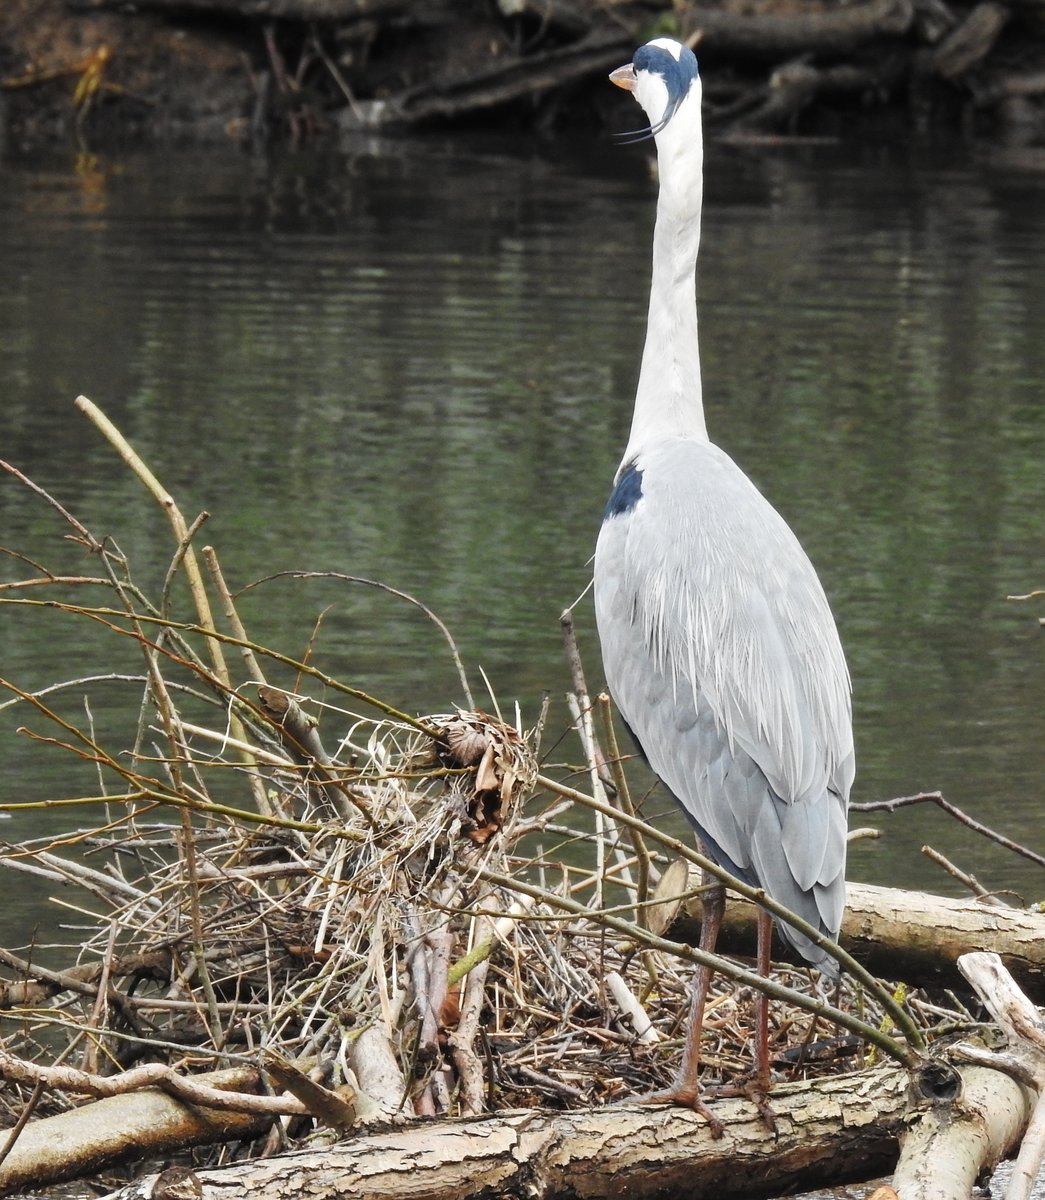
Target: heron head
661 75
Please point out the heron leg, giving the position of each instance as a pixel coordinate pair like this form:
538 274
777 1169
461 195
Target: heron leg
686 1088
714 907
758 1087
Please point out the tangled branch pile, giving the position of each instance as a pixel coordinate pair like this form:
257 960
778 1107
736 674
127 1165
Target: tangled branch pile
255 70
401 925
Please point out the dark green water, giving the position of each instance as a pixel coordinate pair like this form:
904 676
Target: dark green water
415 362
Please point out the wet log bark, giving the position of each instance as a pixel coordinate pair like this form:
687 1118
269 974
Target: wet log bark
911 936
841 1128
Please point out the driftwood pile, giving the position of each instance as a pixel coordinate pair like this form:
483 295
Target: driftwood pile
277 941
256 70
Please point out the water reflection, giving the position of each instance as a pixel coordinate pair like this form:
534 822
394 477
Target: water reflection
416 363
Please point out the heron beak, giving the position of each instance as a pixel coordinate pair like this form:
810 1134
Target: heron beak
624 77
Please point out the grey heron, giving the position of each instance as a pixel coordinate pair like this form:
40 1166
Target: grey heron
718 643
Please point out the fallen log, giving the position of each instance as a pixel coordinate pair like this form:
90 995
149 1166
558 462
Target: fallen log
829 1131
955 1137
1024 1059
841 1128
911 936
773 37
964 1121
125 1128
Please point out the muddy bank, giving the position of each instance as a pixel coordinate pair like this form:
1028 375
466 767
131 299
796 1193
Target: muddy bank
254 72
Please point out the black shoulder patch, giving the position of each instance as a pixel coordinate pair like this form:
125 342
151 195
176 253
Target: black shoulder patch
627 492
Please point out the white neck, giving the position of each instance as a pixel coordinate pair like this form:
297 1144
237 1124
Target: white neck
668 402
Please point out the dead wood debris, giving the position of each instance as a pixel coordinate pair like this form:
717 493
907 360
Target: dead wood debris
370 974
338 914
405 919
311 68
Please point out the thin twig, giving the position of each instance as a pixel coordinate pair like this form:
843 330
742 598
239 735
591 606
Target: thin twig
889 806
969 881
181 530
623 791
392 591
107 617
83 532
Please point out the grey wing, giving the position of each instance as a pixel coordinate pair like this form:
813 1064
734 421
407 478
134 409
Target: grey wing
721 652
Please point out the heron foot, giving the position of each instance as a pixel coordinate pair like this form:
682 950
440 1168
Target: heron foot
755 1089
686 1097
